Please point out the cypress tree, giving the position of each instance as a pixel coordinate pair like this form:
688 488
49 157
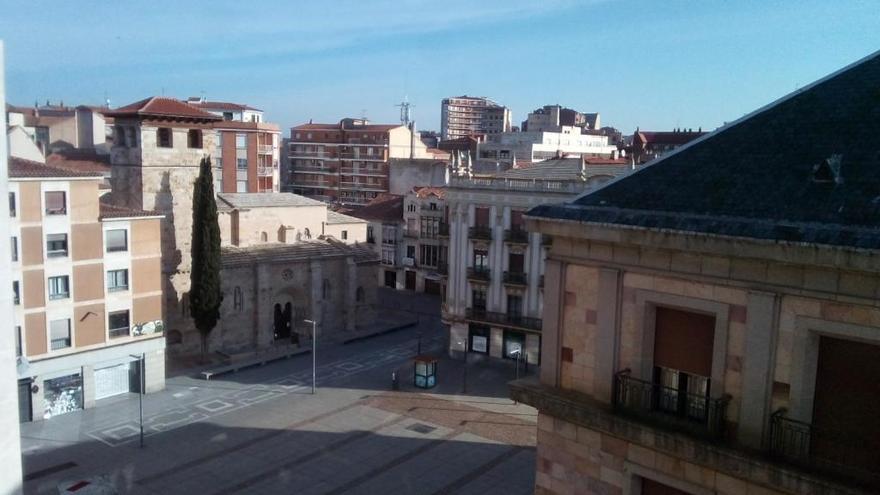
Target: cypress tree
205 293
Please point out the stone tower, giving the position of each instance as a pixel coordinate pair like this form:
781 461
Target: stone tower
157 147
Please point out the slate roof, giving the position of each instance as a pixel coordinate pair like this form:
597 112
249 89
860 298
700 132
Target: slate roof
19 168
334 217
232 256
754 178
264 200
385 208
161 106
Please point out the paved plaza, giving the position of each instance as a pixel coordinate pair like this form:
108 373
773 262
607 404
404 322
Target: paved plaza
262 431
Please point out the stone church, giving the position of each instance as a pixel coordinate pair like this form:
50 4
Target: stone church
285 258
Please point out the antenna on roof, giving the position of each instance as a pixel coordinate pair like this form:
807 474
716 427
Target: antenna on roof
405 111
106 100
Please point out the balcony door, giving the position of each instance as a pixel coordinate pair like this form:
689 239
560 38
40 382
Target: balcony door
846 430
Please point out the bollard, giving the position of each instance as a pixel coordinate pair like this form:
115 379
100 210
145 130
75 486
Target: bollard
395 383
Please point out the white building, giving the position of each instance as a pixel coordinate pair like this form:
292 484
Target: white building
541 145
494 288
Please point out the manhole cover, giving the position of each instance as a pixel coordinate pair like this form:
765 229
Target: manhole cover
421 428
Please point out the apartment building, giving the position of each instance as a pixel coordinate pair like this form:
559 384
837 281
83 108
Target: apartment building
648 145
464 116
348 162
552 118
424 240
711 322
35 132
87 292
495 282
533 146
385 228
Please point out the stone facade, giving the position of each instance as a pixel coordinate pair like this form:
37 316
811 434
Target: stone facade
771 303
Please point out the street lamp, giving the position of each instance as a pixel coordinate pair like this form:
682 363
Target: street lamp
518 353
141 386
314 359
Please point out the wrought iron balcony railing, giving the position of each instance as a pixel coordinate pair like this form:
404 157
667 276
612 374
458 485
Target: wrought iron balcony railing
479 273
444 230
515 278
516 236
480 232
670 408
833 453
503 319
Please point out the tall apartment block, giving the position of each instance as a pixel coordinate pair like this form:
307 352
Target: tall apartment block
463 116
87 292
712 321
246 157
348 162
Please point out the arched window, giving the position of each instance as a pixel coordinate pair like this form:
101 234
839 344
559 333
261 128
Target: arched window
194 138
307 233
264 237
237 299
359 294
325 289
173 337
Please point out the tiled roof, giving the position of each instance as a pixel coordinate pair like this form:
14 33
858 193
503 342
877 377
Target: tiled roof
109 211
19 168
354 128
384 207
80 162
161 106
265 200
220 105
232 256
334 217
756 178
425 191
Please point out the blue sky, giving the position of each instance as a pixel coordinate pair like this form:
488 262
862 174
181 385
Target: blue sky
653 64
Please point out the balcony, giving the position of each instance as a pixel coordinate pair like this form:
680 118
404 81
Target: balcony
312 183
379 157
411 233
312 154
264 149
503 319
444 230
516 236
314 170
480 232
362 186
265 171
802 444
380 172
515 278
479 273
668 407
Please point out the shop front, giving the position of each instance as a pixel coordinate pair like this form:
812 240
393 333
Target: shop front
62 395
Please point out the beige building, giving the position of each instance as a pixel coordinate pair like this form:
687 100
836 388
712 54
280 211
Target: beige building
88 291
495 286
463 116
425 240
712 321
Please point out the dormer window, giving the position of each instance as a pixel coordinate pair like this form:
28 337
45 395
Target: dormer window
828 170
194 138
163 137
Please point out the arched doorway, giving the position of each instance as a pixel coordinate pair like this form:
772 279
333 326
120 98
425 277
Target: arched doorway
282 321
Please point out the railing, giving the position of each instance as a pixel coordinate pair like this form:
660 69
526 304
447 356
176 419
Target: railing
413 233
480 232
380 157
264 171
363 171
444 230
119 332
833 453
311 154
515 278
312 183
504 184
361 185
503 319
314 169
516 235
669 407
264 149
435 209
479 273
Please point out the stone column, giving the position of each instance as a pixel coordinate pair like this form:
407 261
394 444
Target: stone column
606 333
757 367
551 328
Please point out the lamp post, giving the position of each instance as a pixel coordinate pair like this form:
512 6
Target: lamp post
141 385
314 359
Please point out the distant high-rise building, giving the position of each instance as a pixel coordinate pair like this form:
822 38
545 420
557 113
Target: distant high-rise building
462 116
552 118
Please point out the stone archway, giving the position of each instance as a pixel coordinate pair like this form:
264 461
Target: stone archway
286 312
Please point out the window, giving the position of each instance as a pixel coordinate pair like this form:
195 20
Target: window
241 141
56 203
241 163
117 280
478 299
388 255
411 207
325 289
194 138
116 240
515 262
18 350
430 255
370 238
481 216
264 237
514 306
410 251
359 294
227 115
14 246
117 322
481 258
430 227
12 211
59 334
237 299
56 245
344 235
59 287
241 186
16 293
163 137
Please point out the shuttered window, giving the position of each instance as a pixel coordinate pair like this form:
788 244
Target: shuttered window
684 341
481 217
